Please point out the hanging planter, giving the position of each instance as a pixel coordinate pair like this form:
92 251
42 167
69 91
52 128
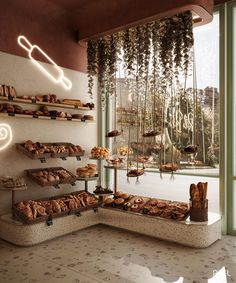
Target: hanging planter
169 40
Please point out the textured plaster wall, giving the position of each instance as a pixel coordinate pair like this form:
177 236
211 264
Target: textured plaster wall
27 79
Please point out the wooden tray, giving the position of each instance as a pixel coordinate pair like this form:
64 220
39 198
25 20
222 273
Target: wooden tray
54 183
48 218
31 155
173 203
21 148
61 154
132 201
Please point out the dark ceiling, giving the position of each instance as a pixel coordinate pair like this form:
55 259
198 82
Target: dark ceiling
94 18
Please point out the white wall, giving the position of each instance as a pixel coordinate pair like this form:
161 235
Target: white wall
28 80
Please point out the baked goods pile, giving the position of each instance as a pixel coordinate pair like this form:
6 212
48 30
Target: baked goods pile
168 167
12 182
99 152
53 149
90 170
8 91
100 190
198 194
124 151
135 173
113 133
34 209
166 209
116 161
42 111
154 207
118 200
51 176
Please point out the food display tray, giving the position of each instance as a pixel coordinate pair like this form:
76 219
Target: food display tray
49 218
31 155
132 201
172 203
70 180
21 148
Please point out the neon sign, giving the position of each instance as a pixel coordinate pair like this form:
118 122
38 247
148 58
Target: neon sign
5 136
59 77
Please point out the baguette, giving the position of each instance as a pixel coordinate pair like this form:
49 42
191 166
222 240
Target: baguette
72 102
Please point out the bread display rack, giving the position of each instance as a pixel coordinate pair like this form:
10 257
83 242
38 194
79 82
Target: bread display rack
48 217
34 102
26 113
37 176
46 155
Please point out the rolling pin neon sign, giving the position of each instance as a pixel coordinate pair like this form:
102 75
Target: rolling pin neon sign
60 78
5 136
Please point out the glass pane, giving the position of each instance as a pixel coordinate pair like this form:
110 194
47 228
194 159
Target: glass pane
180 133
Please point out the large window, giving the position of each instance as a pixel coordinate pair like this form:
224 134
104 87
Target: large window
180 114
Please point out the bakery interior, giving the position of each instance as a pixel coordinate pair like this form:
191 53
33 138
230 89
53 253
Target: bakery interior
117 143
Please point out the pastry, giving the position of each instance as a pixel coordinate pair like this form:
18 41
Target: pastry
89 104
88 117
155 211
72 102
113 133
108 201
99 152
138 201
135 173
77 116
153 202
135 207
166 213
124 196
119 201
127 205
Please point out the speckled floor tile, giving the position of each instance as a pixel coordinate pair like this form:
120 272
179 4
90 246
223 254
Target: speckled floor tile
104 254
28 267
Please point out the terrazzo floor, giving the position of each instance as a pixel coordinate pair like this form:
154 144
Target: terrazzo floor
104 254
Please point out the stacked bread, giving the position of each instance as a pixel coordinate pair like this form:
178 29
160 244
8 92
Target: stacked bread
90 170
34 209
6 90
99 152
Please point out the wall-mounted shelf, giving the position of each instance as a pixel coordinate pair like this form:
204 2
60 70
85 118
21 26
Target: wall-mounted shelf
44 117
43 156
34 102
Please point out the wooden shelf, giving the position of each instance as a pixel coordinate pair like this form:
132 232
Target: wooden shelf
44 117
33 102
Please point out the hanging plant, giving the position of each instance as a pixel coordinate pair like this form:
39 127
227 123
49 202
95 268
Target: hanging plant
92 64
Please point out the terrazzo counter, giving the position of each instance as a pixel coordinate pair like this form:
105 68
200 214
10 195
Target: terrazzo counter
189 233
194 234
26 235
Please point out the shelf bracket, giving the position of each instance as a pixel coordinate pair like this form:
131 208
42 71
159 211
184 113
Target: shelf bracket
78 158
95 209
56 186
49 221
63 158
42 160
78 214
